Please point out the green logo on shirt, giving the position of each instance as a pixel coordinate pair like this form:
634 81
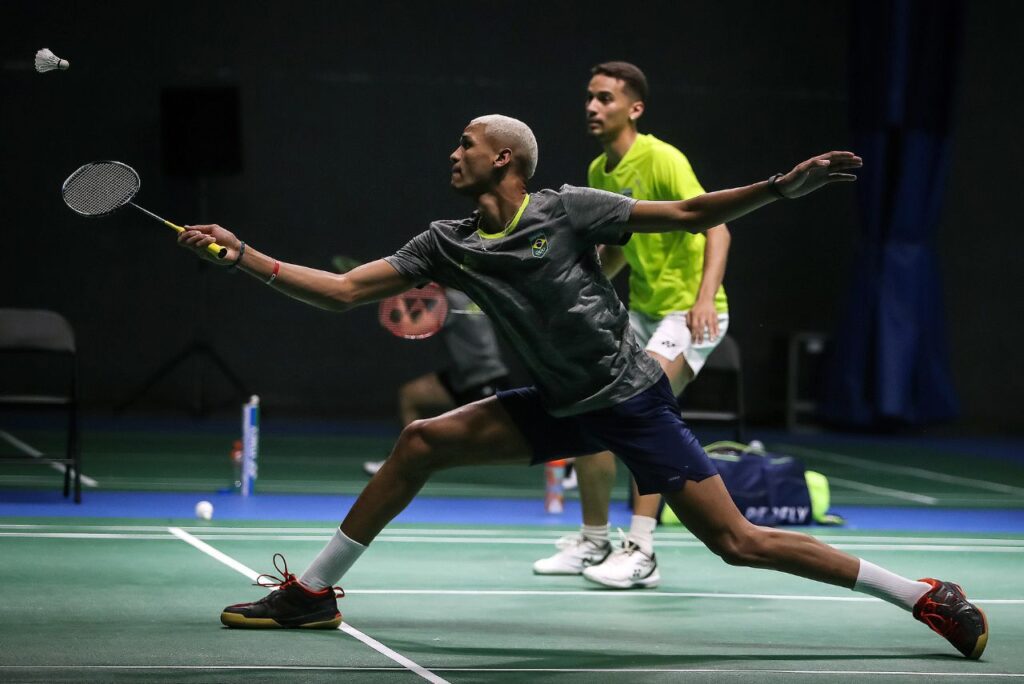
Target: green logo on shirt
539 244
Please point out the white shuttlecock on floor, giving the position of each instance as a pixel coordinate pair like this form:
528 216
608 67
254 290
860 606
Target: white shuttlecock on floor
47 61
204 510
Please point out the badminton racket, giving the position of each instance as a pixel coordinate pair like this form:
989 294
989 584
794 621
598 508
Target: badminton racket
102 187
418 313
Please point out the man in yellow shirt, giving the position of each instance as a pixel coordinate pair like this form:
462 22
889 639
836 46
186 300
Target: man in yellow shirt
677 308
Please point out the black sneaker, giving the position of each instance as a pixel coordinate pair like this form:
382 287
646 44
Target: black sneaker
290 605
948 612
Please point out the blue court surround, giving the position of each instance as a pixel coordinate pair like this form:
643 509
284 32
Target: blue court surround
447 511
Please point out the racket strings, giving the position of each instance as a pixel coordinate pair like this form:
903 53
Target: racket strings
100 188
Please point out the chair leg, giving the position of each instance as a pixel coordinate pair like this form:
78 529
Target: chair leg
68 466
75 452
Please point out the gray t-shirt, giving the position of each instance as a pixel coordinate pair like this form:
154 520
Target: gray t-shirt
541 286
470 344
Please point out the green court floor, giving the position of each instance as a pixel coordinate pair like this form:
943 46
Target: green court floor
127 600
90 599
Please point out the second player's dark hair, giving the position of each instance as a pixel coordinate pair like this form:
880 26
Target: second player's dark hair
633 79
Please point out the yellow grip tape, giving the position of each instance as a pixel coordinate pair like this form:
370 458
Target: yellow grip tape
214 248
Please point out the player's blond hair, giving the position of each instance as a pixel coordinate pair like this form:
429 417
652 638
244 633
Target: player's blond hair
514 134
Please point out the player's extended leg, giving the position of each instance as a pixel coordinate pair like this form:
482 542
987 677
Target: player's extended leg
710 514
708 511
478 433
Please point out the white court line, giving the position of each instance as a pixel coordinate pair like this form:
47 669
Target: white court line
613 593
206 548
906 470
545 536
885 491
35 453
84 535
925 548
345 627
564 670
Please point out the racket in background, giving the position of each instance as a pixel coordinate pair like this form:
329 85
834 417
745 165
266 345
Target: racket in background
415 314
102 187
419 313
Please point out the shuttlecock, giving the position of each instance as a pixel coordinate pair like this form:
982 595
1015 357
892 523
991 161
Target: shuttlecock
204 510
47 61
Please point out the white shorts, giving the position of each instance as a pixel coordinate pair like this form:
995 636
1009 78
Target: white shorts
670 336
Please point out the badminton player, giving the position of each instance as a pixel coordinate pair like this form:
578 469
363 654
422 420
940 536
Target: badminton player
530 261
677 309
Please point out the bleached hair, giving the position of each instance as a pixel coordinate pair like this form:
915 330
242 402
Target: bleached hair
515 134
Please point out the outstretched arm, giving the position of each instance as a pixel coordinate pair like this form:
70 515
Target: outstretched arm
323 289
711 209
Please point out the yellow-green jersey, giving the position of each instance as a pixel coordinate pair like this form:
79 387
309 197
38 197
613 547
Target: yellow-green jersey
665 268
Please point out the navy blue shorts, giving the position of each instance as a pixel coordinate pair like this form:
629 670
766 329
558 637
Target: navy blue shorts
645 432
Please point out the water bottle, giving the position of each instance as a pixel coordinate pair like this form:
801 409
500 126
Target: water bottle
554 499
236 464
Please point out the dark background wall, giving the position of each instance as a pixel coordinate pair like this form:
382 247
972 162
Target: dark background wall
348 113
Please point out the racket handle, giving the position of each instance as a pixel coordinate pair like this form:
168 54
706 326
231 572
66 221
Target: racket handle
214 249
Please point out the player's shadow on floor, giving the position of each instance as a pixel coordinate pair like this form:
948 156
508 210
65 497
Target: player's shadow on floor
555 657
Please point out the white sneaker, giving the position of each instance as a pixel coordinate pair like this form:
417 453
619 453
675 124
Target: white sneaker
371 467
572 559
627 567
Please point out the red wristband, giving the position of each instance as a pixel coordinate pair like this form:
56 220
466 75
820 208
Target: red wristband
273 275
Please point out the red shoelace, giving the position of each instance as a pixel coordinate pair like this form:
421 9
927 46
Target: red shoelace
287 579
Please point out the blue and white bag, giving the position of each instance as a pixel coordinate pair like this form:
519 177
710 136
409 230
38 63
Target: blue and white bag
769 489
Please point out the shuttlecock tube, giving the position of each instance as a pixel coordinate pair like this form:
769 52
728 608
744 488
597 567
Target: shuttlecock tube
250 445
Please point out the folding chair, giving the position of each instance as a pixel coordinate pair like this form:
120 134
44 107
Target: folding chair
725 366
40 344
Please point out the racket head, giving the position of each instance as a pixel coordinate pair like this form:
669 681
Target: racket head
99 188
415 314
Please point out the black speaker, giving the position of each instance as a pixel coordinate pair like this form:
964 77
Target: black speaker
200 130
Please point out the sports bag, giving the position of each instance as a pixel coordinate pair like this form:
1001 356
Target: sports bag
769 489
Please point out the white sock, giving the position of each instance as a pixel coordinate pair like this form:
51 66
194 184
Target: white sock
596 533
332 562
889 586
641 532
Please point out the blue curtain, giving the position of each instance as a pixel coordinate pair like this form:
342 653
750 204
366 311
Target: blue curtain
889 358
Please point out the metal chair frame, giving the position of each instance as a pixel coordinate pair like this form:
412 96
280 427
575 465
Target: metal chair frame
725 358
38 332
